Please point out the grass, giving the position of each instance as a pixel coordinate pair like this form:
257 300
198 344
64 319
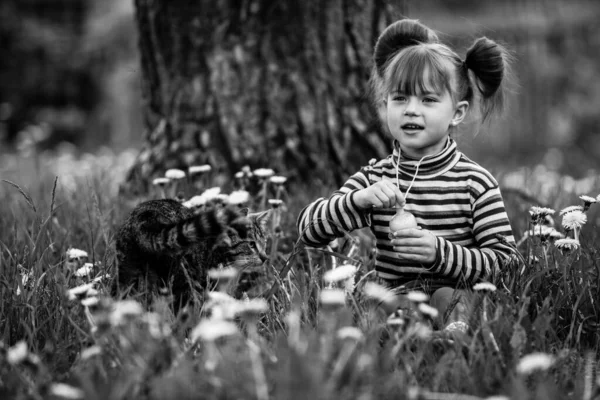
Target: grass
299 347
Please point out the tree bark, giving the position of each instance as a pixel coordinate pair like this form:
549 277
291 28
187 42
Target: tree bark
279 84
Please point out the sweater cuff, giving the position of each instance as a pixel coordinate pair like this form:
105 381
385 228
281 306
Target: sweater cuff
364 217
440 257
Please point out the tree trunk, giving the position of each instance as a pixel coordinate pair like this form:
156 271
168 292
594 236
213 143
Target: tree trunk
279 84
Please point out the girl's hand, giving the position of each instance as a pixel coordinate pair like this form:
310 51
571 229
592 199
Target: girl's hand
415 244
383 194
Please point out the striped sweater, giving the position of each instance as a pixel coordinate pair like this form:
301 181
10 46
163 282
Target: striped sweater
452 196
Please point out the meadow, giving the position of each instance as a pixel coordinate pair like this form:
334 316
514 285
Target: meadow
323 331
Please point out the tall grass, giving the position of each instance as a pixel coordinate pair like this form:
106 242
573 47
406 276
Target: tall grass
302 346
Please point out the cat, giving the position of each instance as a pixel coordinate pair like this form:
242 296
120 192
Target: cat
165 245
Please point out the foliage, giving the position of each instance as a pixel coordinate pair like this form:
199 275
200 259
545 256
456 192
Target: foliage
58 344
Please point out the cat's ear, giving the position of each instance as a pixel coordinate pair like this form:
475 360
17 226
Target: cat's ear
244 211
262 218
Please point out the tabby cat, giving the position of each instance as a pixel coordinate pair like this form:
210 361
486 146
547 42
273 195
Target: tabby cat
164 244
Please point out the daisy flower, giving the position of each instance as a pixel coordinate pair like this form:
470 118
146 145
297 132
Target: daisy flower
123 310
587 201
534 362
223 274
86 270
332 297
544 232
196 201
199 169
428 311
17 353
569 209
76 254
574 220
175 173
65 391
567 245
90 301
350 333
264 173
275 203
79 291
211 330
277 180
486 287
539 214
417 297
378 292
341 273
238 197
252 308
161 182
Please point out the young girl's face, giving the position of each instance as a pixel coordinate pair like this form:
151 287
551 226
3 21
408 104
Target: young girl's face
421 121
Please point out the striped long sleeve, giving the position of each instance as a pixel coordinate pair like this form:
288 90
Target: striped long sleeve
451 196
472 263
328 218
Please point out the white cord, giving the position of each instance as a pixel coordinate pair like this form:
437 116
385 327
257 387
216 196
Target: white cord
397 166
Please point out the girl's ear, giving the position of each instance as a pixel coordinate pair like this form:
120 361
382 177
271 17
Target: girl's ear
460 112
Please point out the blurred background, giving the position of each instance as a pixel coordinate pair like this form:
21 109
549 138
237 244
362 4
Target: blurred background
70 77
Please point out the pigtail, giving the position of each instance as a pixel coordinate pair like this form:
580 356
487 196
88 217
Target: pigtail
489 62
397 36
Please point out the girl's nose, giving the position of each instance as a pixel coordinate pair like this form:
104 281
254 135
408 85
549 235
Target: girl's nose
411 107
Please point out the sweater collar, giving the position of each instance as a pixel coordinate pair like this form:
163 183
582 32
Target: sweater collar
431 165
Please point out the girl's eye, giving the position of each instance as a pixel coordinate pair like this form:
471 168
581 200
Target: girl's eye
429 100
399 98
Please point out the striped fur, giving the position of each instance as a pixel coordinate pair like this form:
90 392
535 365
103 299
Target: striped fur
162 244
452 196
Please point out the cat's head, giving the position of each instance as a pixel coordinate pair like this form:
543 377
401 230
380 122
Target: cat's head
247 250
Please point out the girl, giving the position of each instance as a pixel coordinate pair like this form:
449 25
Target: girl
423 91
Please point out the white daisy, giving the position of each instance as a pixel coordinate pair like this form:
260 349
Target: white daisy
569 209
222 274
124 310
341 273
588 199
65 391
278 180
161 182
252 308
79 291
90 301
534 362
574 220
90 352
538 214
332 297
86 270
378 292
17 353
484 287
275 203
238 197
76 253
210 330
199 169
417 297
428 310
264 172
567 244
544 232
175 174
350 333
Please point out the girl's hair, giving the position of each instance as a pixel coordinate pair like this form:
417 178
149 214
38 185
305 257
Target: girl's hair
409 58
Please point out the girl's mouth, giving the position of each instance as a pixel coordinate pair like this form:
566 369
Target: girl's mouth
412 127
